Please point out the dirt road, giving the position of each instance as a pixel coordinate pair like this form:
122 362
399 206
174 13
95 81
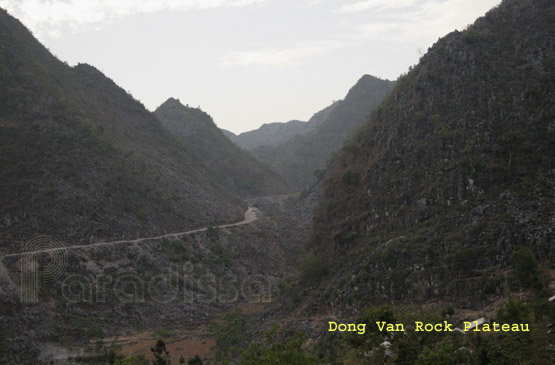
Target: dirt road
250 216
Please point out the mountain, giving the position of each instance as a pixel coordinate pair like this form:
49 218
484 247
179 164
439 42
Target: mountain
270 134
438 210
298 158
274 134
83 161
228 165
451 180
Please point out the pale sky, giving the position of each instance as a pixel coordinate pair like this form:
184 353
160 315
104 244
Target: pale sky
245 62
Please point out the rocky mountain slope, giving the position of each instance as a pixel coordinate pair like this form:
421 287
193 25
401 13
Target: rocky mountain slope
298 158
159 285
227 164
83 161
452 174
439 209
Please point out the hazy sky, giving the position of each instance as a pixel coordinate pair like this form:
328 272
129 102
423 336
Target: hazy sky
245 62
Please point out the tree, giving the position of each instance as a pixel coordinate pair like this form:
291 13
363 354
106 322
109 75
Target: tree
514 311
312 268
195 360
526 268
161 355
445 352
290 351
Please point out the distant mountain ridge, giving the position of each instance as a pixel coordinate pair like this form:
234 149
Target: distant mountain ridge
270 134
298 158
274 134
228 164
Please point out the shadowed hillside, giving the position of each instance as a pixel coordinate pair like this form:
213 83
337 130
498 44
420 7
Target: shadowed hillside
226 163
83 161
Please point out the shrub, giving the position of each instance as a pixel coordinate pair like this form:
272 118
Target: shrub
213 234
312 268
526 268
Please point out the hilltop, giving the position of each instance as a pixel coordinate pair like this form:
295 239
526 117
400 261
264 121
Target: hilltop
227 164
298 158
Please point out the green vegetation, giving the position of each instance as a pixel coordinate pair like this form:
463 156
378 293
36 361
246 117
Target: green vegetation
83 329
195 361
163 333
526 268
161 355
412 347
229 333
275 352
213 234
178 250
221 254
288 290
313 268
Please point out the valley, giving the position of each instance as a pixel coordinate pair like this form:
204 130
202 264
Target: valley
411 222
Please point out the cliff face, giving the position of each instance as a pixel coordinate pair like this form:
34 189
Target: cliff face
83 161
227 164
453 172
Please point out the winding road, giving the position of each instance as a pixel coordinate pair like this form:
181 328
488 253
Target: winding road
250 216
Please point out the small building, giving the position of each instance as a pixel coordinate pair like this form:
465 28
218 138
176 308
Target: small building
386 344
